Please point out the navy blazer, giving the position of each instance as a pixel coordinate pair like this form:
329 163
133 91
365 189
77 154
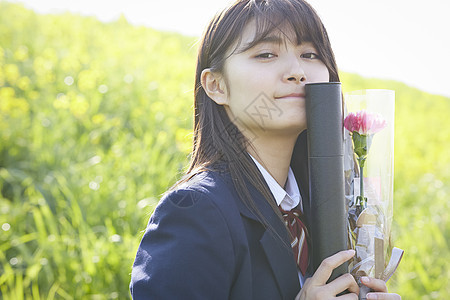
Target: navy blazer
202 242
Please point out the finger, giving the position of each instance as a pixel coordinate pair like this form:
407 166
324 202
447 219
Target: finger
342 283
327 266
383 296
376 285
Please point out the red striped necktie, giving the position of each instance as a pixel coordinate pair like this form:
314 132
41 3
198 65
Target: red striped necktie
299 233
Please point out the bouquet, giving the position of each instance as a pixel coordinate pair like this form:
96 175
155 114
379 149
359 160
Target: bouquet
368 168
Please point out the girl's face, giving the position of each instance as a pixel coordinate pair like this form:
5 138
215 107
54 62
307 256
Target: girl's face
266 83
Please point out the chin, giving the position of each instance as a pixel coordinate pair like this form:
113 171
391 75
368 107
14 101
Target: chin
295 127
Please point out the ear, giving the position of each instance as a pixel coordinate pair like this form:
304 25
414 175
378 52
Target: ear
214 85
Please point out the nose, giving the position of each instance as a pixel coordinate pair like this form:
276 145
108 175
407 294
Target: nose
294 71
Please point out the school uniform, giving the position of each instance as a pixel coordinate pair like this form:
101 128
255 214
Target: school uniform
202 242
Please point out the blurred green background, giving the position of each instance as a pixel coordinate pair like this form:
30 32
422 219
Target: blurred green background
95 124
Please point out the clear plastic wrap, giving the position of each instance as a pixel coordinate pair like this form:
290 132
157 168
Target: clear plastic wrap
369 154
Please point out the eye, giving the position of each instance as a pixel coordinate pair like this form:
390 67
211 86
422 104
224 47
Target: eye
310 55
266 55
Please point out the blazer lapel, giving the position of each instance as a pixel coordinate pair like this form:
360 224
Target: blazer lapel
282 263
278 251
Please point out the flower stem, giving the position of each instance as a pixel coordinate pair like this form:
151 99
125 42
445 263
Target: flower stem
361 201
361 186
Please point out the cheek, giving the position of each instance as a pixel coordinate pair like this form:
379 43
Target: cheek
319 73
244 87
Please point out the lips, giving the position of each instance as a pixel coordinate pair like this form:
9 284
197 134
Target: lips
293 95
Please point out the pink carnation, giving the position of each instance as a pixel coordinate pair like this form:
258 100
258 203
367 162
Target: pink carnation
364 122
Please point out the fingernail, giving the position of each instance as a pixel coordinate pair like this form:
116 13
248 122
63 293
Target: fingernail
352 252
372 296
365 279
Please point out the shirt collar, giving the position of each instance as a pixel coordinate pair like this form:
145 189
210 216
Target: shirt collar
287 198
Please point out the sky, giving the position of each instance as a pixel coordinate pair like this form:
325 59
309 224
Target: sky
404 40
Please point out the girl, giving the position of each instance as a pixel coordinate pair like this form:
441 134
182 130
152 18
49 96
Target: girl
220 233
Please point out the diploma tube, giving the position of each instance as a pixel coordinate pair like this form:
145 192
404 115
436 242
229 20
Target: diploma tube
326 172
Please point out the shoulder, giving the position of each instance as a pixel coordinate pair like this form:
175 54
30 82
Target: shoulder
203 189
207 197
203 199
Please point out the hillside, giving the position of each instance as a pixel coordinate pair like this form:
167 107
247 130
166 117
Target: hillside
95 124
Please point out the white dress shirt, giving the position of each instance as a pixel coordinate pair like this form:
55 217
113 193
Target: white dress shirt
288 197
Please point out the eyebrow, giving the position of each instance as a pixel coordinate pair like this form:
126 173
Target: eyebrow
270 39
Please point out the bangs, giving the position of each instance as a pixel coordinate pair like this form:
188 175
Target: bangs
292 21
285 20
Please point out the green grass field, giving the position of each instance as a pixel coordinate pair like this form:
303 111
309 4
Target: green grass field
95 124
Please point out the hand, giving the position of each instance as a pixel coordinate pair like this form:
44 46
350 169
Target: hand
317 287
379 288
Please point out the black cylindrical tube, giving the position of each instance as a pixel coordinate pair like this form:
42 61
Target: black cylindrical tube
326 172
